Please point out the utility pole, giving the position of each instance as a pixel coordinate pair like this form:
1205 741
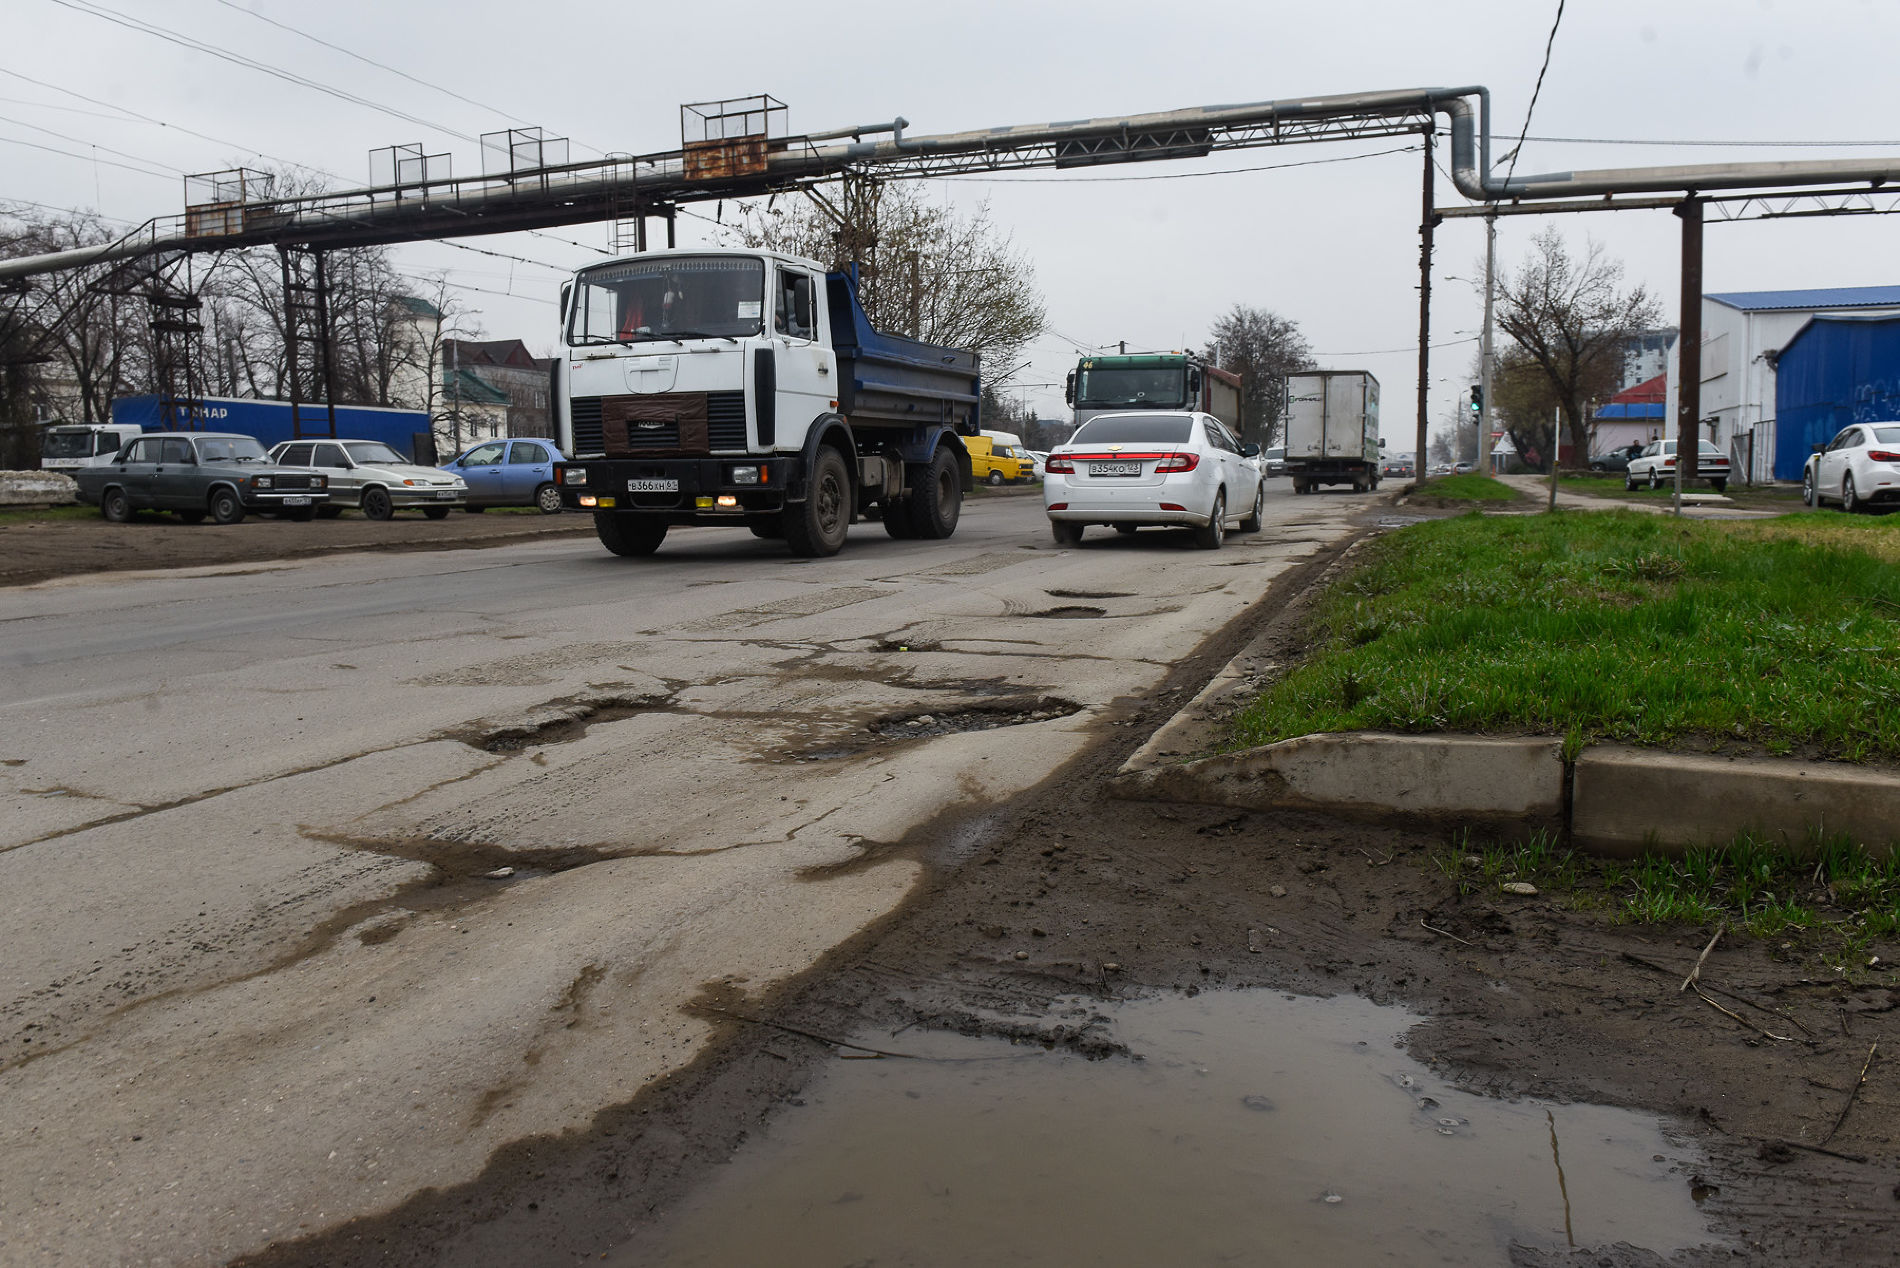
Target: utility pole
1427 221
1484 346
1689 350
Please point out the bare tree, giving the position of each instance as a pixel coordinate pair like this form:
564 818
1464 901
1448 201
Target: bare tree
940 277
1571 319
93 336
1262 347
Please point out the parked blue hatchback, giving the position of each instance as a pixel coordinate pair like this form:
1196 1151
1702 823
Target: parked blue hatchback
510 473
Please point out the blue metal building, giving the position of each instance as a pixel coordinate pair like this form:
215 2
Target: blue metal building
1837 369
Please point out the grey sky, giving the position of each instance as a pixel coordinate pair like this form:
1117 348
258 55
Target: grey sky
1332 246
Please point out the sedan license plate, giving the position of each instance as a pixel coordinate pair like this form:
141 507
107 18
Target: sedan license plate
296 501
445 495
1115 468
653 486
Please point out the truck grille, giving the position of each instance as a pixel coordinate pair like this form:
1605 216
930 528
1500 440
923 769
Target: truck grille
725 421
585 411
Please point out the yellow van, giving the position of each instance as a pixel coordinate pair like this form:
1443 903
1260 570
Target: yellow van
992 463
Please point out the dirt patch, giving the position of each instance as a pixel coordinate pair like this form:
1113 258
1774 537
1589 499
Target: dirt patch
1067 895
40 550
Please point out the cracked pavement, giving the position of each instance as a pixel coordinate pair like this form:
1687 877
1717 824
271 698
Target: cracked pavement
321 883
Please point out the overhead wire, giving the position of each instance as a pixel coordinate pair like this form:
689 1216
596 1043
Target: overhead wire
89 158
1549 44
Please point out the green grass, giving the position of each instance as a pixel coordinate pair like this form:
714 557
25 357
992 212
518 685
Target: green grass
1782 635
1468 488
30 515
1772 497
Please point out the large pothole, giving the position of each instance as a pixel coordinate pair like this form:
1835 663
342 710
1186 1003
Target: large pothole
953 719
557 722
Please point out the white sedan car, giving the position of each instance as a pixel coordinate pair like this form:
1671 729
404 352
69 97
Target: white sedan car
1859 467
1128 470
1656 466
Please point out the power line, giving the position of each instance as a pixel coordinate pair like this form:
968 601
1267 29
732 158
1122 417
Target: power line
88 158
250 63
137 158
1380 352
1522 132
69 211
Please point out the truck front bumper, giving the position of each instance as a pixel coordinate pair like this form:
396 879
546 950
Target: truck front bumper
686 490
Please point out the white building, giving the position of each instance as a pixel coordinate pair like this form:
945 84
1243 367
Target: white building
1741 330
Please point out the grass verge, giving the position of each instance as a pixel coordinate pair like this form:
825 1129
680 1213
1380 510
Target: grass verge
1468 488
1757 498
1833 889
42 514
1621 626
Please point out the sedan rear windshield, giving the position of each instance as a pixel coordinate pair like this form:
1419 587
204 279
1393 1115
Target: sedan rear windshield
1144 429
1886 435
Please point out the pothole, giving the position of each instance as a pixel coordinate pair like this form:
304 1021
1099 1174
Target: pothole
987 717
906 645
1070 612
558 722
1089 594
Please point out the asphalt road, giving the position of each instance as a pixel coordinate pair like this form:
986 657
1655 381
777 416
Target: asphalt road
321 881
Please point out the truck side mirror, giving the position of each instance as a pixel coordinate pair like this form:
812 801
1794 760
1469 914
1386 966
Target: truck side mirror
1068 389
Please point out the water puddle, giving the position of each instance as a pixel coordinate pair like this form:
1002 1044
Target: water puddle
1246 1128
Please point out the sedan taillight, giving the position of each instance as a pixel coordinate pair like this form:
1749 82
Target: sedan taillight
1882 455
1058 466
1178 462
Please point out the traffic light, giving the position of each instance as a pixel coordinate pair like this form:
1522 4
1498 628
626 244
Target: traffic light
1477 401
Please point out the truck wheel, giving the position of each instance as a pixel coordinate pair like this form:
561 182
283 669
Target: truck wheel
1215 533
226 508
377 505
935 499
116 507
629 535
897 521
817 526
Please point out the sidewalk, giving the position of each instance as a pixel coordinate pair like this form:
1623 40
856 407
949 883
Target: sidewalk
1704 506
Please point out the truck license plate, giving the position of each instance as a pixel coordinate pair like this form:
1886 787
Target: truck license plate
296 501
1115 468
653 486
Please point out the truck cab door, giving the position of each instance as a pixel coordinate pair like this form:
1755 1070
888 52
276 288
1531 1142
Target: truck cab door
807 369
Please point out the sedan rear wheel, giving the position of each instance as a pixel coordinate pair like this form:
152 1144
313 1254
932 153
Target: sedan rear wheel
1065 533
1252 523
1850 497
1654 481
115 506
1211 537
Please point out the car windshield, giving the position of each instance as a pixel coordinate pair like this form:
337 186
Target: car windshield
229 449
671 298
1154 386
1122 429
371 453
1886 435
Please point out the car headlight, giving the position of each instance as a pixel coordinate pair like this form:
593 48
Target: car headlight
319 482
263 482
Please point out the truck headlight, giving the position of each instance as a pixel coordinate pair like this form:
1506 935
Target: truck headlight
573 475
744 475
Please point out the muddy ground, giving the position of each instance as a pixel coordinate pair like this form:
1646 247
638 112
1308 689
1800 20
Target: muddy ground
1064 892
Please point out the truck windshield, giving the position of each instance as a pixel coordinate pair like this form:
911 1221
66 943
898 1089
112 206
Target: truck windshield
1163 387
75 444
671 298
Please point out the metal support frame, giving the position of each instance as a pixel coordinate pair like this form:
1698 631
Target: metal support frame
165 284
309 345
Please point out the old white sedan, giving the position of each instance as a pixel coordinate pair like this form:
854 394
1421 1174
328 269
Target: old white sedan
1131 470
1859 468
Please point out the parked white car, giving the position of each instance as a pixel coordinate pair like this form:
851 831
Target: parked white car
1859 468
1656 466
1175 468
373 478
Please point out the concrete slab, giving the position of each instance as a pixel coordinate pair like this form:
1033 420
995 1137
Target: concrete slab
1458 779
1630 800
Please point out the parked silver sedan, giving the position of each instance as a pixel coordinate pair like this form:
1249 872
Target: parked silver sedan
375 479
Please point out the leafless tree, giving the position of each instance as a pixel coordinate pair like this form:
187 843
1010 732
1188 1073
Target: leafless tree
1262 347
939 276
1570 319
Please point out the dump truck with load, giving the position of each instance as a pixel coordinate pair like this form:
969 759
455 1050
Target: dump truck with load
1332 429
733 387
1154 381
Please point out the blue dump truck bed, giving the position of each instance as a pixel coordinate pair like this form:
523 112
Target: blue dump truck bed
270 421
889 380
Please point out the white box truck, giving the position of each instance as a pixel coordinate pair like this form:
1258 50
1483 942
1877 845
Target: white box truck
1332 429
